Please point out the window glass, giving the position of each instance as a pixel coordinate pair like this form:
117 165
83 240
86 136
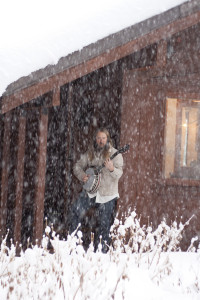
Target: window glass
182 139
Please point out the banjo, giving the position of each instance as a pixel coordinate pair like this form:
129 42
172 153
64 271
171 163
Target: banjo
94 173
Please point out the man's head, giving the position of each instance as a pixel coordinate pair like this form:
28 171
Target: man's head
101 143
102 139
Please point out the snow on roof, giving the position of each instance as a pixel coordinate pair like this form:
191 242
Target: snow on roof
38 33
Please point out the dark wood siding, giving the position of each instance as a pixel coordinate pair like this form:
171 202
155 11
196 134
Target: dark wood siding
143 120
12 174
30 170
56 192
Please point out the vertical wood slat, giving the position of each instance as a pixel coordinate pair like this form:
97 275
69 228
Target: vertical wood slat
68 146
40 177
130 128
138 125
145 150
19 178
56 97
5 171
161 54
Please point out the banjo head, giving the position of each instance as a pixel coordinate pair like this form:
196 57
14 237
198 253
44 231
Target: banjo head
92 185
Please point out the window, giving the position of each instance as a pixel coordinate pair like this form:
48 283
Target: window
182 139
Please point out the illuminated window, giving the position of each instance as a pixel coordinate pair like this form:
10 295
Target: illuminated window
182 139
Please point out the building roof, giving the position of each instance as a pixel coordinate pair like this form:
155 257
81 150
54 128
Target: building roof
122 43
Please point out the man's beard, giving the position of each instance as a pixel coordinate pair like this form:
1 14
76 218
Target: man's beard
101 148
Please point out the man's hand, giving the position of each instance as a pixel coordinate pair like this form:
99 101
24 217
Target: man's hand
85 178
109 164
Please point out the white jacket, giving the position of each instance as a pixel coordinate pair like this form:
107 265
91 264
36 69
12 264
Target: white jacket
109 180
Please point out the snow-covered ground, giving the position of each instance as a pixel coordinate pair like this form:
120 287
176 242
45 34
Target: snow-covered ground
147 266
34 34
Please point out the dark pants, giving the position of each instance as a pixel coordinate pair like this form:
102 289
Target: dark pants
104 213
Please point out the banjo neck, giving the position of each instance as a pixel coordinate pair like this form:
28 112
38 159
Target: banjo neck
121 150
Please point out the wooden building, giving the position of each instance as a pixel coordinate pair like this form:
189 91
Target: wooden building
143 84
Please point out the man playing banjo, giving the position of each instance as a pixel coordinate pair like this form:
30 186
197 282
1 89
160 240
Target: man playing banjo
100 185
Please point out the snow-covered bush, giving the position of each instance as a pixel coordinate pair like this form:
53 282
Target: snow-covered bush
134 238
139 257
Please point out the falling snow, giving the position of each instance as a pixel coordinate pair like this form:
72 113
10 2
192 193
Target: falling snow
36 34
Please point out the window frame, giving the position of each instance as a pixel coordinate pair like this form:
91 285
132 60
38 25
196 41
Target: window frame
184 96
